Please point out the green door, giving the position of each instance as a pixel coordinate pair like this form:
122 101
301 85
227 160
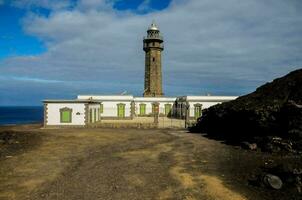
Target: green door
167 109
121 110
142 109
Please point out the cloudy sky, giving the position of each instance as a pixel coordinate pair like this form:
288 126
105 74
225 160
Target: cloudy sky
61 48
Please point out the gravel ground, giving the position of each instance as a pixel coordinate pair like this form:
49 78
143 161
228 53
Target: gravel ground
129 164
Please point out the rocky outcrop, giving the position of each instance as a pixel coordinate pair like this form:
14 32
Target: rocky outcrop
274 109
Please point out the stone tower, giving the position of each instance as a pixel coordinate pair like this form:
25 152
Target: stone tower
153 46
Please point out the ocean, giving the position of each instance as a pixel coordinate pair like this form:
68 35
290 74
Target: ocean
20 114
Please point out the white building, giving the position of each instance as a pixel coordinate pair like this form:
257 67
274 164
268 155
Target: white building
89 109
192 106
58 113
112 106
144 106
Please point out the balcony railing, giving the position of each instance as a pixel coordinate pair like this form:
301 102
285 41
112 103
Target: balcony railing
158 37
150 45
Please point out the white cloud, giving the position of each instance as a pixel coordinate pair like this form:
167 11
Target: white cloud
210 46
145 6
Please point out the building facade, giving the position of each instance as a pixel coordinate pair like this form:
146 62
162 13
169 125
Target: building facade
75 113
87 110
191 107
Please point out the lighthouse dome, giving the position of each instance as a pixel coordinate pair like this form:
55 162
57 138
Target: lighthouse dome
153 27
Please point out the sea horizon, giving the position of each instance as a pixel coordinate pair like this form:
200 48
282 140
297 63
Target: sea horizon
14 115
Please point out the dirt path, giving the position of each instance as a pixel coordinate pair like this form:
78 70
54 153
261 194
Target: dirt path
125 164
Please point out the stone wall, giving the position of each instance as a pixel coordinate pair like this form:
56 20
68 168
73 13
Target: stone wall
153 70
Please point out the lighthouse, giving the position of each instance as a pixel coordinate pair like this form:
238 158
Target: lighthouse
153 46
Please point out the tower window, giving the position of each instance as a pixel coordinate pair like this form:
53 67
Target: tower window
153 44
153 59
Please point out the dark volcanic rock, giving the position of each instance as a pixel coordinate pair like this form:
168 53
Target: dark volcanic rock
274 109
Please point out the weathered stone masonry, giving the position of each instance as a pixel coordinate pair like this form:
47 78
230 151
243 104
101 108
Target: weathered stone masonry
153 46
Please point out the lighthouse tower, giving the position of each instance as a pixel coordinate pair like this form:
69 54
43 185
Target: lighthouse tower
153 46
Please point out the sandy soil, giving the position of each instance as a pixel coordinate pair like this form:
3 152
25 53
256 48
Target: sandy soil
126 164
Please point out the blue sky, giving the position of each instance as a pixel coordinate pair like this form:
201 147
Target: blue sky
133 5
14 41
61 48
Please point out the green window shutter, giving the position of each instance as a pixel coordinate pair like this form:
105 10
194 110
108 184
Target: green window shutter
142 109
121 110
197 111
101 108
65 115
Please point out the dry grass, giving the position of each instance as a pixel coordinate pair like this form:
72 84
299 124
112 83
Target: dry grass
28 171
215 189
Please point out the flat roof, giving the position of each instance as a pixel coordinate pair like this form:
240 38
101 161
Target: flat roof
106 97
208 98
70 101
101 98
212 97
154 99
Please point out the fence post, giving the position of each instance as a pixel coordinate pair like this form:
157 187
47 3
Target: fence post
187 115
156 113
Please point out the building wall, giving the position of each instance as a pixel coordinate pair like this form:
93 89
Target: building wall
204 106
53 113
110 109
93 114
204 101
110 104
151 100
84 113
149 106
